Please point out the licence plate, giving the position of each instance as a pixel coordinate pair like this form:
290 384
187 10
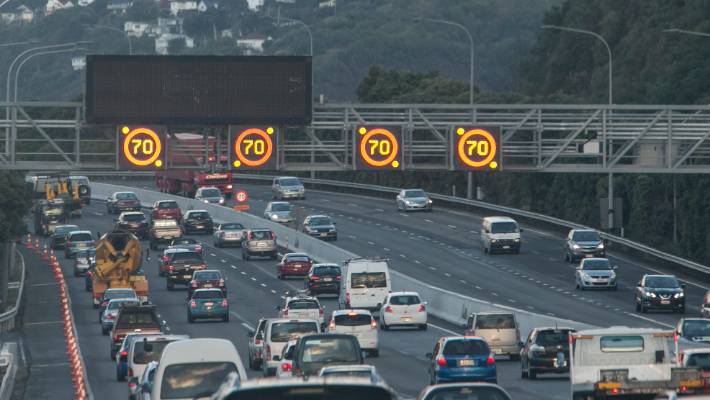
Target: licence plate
168 238
588 255
187 276
665 302
324 234
506 247
406 319
209 285
209 304
466 363
261 245
327 279
81 244
498 351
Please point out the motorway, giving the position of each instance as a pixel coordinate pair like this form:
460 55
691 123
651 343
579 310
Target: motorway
440 248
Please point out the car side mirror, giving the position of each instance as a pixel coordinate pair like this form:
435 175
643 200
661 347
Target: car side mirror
616 267
429 355
520 230
250 334
146 388
276 358
660 355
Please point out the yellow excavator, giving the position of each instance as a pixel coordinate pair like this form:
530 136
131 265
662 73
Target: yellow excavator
118 265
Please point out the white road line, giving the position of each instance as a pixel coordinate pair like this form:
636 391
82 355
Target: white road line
352 236
404 215
233 267
649 320
417 261
213 254
242 272
403 256
352 204
253 279
263 284
379 210
432 268
512 301
428 220
370 243
531 307
494 294
223 260
273 291
452 226
98 213
386 249
479 288
446 274
462 281
450 332
244 324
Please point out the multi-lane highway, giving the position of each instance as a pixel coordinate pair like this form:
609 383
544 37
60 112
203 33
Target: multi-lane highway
440 248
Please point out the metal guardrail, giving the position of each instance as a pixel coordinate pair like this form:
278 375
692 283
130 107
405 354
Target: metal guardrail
7 319
532 216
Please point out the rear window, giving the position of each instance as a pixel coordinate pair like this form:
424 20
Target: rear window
298 259
137 319
261 235
211 193
700 360
330 350
360 374
133 217
194 380
81 237
585 236
115 305
364 280
596 265
404 300
303 305
290 182
118 294
414 193
63 230
186 256
495 321
467 393
167 204
207 276
280 207
284 331
153 352
199 214
352 320
232 226
552 338
504 227
329 270
208 294
320 221
699 327
466 348
126 196
621 344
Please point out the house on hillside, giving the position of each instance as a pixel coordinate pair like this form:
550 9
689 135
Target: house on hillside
169 25
162 43
227 33
56 5
118 6
20 14
253 44
137 29
205 5
178 6
255 5
326 3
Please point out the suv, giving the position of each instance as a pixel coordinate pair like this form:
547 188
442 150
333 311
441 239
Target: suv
288 187
108 316
134 222
545 351
197 221
59 236
143 319
302 307
164 261
320 226
499 329
661 292
122 201
293 264
277 333
279 211
323 278
314 352
182 266
256 345
166 209
584 243
259 242
163 231
500 234
359 323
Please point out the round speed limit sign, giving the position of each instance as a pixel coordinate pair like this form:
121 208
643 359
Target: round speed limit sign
241 196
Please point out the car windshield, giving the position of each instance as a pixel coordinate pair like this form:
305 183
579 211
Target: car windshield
184 241
64 229
700 360
199 214
115 305
167 204
692 328
137 319
126 196
261 235
595 265
414 193
298 258
194 380
232 226
495 321
327 270
404 300
467 393
666 282
165 223
352 319
80 237
187 256
146 351
363 280
290 182
504 227
552 338
208 294
119 294
207 275
465 347
211 193
320 221
284 331
585 236
330 350
133 217
303 305
280 207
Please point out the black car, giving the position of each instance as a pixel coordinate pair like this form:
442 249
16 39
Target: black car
662 292
545 351
320 226
323 278
197 221
181 266
134 222
584 243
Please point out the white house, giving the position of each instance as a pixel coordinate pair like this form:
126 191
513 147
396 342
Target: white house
253 43
205 5
162 43
55 5
255 5
20 14
178 6
118 6
137 29
227 33
169 25
326 3
85 3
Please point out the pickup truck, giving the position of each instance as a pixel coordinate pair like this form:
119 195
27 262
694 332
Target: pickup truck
134 319
163 231
182 266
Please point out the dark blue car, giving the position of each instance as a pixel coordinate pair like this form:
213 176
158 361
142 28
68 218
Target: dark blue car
208 303
462 359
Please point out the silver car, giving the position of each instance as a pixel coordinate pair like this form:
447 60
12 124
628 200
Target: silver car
228 233
139 388
259 242
85 259
109 314
288 187
256 345
595 273
413 199
210 195
279 211
320 226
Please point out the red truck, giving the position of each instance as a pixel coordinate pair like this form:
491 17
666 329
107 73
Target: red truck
186 182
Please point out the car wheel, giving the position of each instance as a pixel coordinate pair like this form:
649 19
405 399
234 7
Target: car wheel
644 310
375 353
681 310
104 331
638 307
566 257
423 327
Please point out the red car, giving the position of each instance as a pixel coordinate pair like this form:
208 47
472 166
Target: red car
206 279
294 264
166 209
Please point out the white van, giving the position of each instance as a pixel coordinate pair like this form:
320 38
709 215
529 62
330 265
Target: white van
195 368
277 333
500 233
367 283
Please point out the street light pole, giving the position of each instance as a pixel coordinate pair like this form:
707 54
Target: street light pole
7 109
41 53
683 31
121 31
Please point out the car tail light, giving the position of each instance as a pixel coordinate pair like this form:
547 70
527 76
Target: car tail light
347 298
221 281
109 316
421 308
315 278
441 361
286 367
164 258
193 283
257 341
97 296
373 324
198 248
491 360
331 325
203 266
320 312
273 236
268 353
130 371
285 312
224 303
337 278
251 236
171 268
132 385
104 303
124 353
388 309
116 339
193 304
221 234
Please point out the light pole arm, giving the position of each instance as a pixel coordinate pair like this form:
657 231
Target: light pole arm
31 56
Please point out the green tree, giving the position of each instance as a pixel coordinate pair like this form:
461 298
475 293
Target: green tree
14 205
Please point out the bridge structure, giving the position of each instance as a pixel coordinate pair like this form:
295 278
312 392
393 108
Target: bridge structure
584 138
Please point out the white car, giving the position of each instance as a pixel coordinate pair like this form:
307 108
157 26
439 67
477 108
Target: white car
280 331
303 306
403 308
357 371
209 194
359 323
285 363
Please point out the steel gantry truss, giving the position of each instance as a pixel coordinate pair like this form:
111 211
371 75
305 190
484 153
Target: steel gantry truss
535 137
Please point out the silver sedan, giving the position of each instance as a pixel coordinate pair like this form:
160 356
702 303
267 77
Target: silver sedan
413 199
229 233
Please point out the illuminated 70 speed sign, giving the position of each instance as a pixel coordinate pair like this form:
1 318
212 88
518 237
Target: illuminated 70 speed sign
476 148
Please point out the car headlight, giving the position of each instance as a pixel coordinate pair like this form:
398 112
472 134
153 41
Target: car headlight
585 275
205 201
517 239
678 295
229 186
407 202
575 246
600 246
274 217
221 200
649 294
429 201
493 240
